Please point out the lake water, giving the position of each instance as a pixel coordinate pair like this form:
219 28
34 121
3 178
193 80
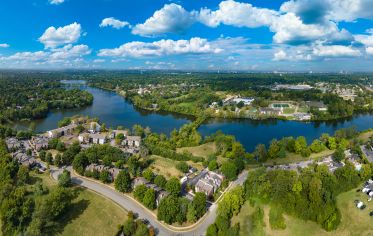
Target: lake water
114 110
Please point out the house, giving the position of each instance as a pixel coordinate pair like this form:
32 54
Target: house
302 116
268 111
132 141
94 127
24 159
245 101
94 138
96 167
162 194
39 142
66 130
317 105
13 144
114 133
139 181
209 183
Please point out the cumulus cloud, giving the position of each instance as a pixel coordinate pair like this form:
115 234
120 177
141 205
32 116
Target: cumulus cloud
115 23
56 2
237 14
369 51
54 37
161 48
172 18
60 56
335 51
4 45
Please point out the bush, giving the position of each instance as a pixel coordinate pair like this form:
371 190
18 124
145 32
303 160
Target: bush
182 166
276 219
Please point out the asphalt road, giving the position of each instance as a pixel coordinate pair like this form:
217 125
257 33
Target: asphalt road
131 205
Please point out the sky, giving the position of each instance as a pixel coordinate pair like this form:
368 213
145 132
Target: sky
246 35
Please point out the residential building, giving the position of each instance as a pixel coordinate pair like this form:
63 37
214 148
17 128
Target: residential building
94 127
209 183
39 142
66 130
93 138
13 144
270 111
114 133
132 141
302 116
246 101
24 159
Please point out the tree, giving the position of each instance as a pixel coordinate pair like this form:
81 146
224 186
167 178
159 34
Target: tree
105 176
148 175
229 170
160 181
199 203
122 182
49 158
317 146
182 166
260 152
42 155
23 175
139 192
300 144
173 186
80 162
274 149
192 214
168 209
149 199
339 155
332 143
212 230
58 160
64 179
213 165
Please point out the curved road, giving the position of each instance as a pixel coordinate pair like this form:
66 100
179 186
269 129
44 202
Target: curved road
130 205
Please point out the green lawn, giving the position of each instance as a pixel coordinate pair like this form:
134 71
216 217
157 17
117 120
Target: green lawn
167 167
354 221
203 150
366 135
91 213
292 157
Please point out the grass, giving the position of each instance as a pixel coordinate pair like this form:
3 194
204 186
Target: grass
366 135
167 167
91 213
292 157
353 222
203 150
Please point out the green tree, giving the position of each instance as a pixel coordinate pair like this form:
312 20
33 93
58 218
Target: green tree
168 209
182 166
229 170
149 199
173 186
122 182
213 165
339 155
64 179
160 181
199 203
105 176
300 144
139 192
148 175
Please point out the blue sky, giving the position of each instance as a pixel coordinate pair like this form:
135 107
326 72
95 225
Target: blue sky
256 35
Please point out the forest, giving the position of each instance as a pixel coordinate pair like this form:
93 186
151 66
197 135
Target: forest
33 95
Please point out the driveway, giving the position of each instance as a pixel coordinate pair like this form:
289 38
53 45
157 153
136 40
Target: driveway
143 213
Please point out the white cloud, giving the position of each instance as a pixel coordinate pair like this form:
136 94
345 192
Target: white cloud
98 61
161 48
172 18
335 51
4 45
290 29
56 2
369 50
237 14
115 23
66 55
53 37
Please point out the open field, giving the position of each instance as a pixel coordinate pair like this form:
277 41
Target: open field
354 221
366 135
292 157
91 214
167 167
203 150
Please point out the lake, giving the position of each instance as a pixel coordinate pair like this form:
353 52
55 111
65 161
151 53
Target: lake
113 110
